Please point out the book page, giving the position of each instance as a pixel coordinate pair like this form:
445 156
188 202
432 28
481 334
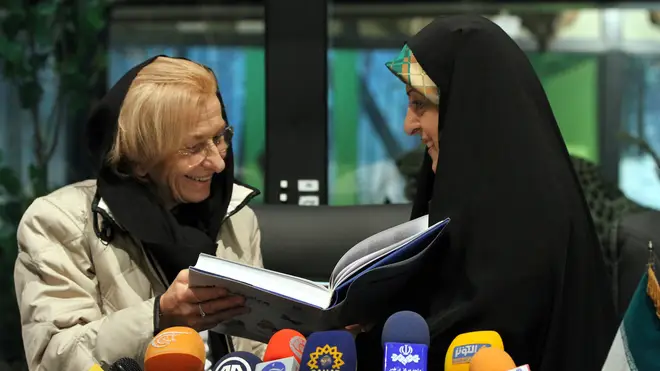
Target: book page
364 261
381 243
406 250
282 284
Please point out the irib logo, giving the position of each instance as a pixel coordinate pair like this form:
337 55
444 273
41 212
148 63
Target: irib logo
406 355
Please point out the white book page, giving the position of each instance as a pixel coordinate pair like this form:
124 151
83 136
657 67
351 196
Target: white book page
357 265
280 283
382 243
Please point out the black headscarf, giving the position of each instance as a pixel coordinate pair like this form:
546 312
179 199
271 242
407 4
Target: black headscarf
520 255
175 238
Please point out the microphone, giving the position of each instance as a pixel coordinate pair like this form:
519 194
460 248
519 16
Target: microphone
491 359
285 343
283 352
125 364
175 348
237 361
329 351
406 340
122 364
465 346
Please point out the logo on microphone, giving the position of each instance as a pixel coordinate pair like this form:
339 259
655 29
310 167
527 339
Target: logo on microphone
274 366
297 345
325 358
405 355
233 364
166 338
464 353
521 368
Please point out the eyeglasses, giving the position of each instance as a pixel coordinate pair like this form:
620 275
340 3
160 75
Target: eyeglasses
196 154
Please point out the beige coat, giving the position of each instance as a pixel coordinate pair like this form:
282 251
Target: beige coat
82 301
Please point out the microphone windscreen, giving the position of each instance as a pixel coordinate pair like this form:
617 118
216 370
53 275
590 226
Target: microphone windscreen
237 361
329 350
175 348
491 359
283 344
464 346
406 327
126 364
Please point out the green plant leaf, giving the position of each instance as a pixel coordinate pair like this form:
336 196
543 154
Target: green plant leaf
14 21
10 50
30 93
39 180
11 212
10 182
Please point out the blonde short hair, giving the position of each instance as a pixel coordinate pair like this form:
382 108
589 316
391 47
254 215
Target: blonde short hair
164 101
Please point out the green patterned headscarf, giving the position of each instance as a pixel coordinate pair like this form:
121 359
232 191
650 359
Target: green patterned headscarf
408 70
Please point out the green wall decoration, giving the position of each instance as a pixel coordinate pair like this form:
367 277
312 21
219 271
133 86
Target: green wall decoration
571 83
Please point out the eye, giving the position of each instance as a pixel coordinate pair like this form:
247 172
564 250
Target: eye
197 148
417 104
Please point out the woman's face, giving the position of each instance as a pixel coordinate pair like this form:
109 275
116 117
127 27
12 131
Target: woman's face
186 176
422 120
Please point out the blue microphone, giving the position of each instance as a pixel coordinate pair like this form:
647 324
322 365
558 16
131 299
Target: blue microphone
329 351
237 361
406 341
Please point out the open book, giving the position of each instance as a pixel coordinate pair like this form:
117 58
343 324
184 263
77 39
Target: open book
367 276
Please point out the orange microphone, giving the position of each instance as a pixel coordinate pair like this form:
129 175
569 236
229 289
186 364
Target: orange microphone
491 359
284 344
176 348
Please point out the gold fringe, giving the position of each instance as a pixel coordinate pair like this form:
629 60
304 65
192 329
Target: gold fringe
653 290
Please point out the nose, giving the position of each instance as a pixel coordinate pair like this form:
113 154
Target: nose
410 124
214 160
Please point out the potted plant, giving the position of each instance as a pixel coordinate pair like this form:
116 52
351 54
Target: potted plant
41 39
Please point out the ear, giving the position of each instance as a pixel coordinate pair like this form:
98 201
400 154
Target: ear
140 171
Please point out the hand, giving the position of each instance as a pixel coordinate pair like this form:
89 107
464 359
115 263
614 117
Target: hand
200 308
357 329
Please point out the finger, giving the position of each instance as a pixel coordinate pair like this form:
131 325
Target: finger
196 295
182 276
211 321
218 305
190 310
353 327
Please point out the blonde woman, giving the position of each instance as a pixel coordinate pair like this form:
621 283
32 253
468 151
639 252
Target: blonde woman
102 263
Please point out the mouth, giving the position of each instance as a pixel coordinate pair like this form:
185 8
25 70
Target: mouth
199 179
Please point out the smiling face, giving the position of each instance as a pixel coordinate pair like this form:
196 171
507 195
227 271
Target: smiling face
422 119
171 133
186 176
423 100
